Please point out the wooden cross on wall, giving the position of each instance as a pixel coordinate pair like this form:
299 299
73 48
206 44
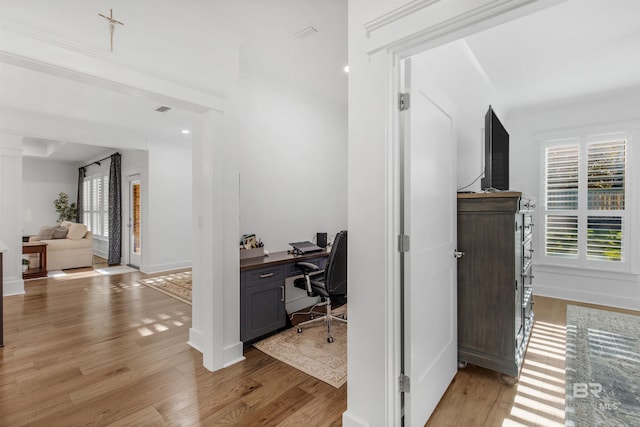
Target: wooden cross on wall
112 24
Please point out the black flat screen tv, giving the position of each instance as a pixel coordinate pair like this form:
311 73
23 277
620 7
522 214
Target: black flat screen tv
496 154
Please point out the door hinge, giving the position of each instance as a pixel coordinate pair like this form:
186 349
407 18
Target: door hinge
404 383
403 243
404 101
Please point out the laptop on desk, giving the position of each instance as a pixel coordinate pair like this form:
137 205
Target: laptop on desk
305 247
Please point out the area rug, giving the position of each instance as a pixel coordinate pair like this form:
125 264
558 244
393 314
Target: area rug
310 352
176 285
602 368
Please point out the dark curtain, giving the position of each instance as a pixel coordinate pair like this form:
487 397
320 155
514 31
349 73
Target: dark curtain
79 205
115 211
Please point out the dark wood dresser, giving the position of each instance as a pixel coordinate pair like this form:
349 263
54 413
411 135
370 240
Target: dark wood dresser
495 310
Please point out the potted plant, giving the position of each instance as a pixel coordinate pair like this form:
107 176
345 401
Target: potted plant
66 211
25 264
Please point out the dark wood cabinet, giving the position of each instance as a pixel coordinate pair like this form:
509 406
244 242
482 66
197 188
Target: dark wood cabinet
262 292
262 302
495 312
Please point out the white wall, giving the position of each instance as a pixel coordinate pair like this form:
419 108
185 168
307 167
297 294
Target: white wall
42 182
293 166
166 243
293 170
11 211
472 94
528 128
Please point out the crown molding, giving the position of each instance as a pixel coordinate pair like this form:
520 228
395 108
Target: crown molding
396 14
483 16
99 55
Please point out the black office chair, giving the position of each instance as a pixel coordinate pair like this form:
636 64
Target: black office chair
329 284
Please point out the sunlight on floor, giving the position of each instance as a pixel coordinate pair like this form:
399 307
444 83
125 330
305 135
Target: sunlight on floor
539 399
148 326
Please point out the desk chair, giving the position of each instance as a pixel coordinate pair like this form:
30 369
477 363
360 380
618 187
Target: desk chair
329 284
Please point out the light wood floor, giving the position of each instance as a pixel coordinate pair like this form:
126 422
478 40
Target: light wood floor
87 349
482 398
106 350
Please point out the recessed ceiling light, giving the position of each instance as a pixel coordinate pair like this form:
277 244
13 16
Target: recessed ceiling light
163 109
185 131
346 68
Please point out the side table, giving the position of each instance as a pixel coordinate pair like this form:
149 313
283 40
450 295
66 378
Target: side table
39 248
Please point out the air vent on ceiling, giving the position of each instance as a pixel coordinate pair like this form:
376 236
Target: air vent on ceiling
305 32
163 109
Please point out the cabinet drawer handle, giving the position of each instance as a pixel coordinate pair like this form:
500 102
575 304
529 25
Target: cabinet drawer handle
282 295
265 275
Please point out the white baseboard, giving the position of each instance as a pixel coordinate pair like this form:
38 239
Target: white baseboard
161 268
232 354
609 300
196 340
12 287
101 254
349 420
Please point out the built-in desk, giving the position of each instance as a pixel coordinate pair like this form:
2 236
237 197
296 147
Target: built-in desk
262 291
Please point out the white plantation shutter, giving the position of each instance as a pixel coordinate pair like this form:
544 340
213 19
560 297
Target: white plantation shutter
606 167
95 213
104 206
604 238
562 236
97 196
562 177
86 197
561 196
585 196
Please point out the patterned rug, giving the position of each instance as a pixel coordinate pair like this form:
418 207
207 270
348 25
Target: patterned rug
177 285
310 352
602 368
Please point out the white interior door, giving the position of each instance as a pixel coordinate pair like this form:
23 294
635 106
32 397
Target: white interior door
429 266
134 223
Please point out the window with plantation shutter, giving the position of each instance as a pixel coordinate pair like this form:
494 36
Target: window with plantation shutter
585 194
561 197
606 164
95 213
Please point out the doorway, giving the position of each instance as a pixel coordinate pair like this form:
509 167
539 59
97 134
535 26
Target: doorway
134 223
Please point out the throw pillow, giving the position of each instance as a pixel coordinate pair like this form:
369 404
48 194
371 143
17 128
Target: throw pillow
59 233
65 224
76 231
45 233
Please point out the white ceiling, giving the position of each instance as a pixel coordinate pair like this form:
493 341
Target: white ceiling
164 31
577 48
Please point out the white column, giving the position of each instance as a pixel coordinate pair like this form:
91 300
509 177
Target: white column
11 211
216 296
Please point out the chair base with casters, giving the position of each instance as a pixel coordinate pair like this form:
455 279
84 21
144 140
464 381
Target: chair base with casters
314 284
327 318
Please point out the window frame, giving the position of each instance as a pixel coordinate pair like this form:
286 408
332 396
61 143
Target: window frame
89 210
582 139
